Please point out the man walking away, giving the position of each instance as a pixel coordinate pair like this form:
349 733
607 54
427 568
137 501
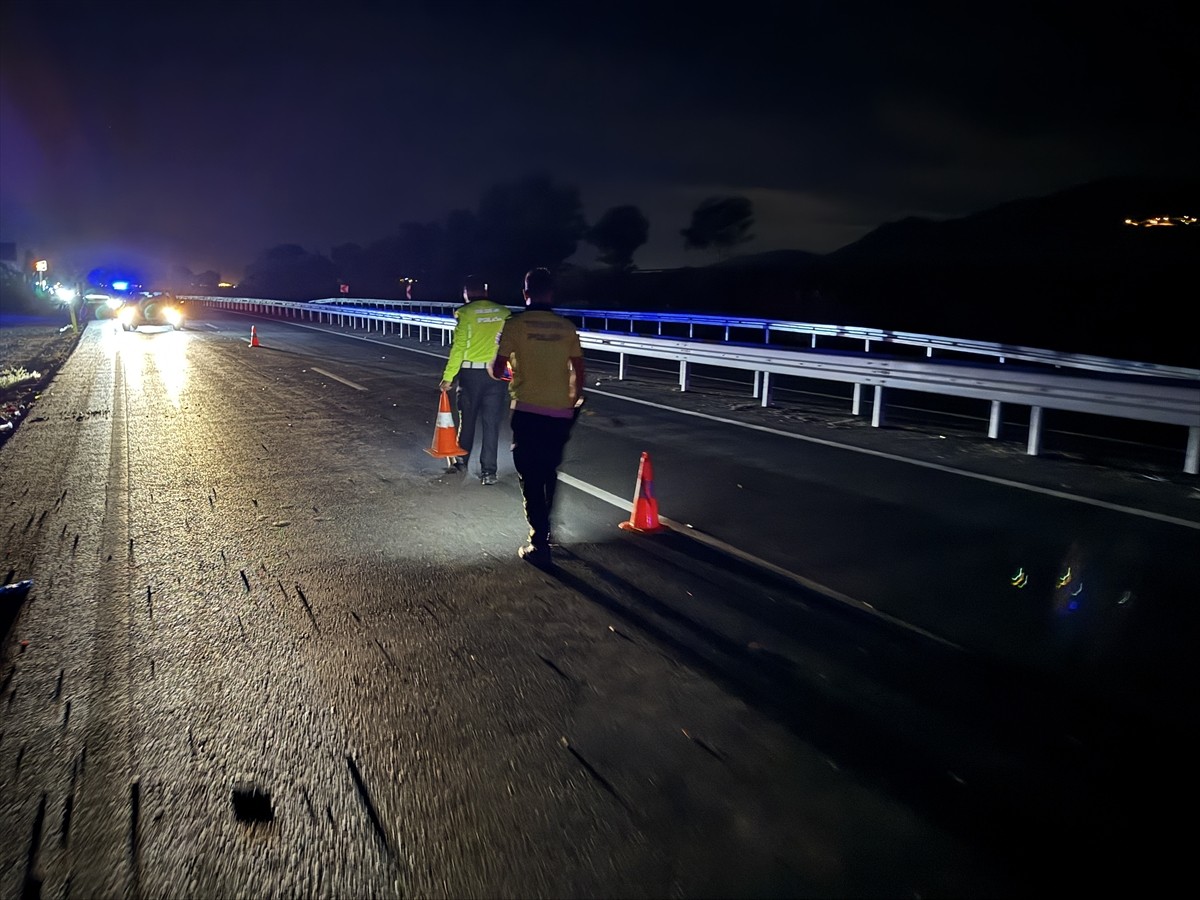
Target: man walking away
480 398
546 389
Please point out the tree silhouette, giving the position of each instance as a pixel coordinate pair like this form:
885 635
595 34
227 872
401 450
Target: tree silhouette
720 223
618 233
289 272
527 223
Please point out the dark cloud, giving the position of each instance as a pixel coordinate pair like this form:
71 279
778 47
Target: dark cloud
209 132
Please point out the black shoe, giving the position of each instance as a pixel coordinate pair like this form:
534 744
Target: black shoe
533 553
458 463
488 478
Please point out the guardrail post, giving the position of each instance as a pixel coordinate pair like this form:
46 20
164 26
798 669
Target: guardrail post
994 420
1035 431
757 383
856 403
1191 460
766 389
683 375
877 407
620 367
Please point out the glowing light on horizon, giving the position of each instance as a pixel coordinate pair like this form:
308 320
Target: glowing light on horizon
1159 221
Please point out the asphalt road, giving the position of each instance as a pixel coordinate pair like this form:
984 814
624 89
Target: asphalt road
273 648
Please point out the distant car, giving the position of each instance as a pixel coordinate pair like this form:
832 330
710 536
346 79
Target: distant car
160 308
103 304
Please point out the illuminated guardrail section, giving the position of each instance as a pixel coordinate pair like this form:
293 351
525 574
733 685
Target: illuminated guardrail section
1129 390
728 327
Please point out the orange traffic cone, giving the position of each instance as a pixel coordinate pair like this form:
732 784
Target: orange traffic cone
445 441
644 516
254 337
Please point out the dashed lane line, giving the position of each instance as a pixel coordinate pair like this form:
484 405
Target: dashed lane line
345 381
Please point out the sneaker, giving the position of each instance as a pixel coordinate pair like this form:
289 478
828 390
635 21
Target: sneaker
532 553
458 463
488 478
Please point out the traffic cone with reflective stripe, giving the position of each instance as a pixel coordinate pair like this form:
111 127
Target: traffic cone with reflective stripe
254 337
445 441
644 516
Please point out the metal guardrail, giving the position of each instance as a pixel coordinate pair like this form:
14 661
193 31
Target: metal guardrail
727 327
1122 392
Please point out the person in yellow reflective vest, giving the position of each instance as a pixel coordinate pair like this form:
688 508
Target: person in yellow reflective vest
479 398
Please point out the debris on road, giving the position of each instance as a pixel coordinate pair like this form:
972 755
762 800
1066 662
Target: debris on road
17 590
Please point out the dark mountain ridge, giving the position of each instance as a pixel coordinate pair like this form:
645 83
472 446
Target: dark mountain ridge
1064 272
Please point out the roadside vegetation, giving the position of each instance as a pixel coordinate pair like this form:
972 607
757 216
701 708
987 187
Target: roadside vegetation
34 344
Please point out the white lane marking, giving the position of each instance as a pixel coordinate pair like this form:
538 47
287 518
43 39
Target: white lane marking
694 534
345 381
1049 492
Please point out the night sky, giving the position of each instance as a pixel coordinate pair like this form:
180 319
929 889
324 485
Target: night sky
200 134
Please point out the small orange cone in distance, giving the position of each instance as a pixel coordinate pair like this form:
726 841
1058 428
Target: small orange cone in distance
445 441
254 337
644 516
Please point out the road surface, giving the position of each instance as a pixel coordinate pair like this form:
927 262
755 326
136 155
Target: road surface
274 648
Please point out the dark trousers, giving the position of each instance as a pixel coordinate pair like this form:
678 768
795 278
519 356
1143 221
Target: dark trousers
538 443
481 399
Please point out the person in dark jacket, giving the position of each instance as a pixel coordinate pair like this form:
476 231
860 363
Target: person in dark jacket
546 392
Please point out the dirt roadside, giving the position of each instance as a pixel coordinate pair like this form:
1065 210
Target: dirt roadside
30 357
